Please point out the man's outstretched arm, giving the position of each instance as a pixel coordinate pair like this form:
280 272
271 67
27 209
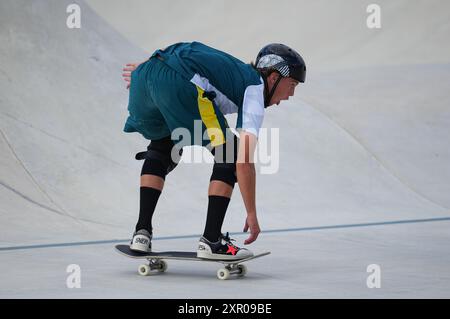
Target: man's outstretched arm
246 176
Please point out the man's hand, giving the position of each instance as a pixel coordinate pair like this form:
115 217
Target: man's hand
129 67
252 223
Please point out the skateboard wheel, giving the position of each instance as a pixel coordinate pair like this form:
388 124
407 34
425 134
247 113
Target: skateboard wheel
144 270
163 266
223 274
242 270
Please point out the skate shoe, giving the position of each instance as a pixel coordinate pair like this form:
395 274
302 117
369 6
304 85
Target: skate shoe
222 249
142 241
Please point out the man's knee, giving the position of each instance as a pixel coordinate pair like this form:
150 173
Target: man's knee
159 159
225 172
225 157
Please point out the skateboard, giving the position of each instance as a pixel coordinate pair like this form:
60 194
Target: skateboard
157 263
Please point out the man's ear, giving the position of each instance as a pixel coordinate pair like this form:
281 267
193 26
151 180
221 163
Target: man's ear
272 78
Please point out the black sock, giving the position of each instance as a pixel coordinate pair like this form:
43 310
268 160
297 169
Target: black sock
217 207
148 200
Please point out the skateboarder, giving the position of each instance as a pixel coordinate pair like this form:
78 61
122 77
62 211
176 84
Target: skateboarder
190 83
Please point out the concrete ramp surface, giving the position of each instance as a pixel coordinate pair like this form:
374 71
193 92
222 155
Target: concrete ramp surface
363 174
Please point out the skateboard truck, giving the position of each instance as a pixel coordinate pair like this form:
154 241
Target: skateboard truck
232 269
154 265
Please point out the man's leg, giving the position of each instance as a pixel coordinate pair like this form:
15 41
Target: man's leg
151 187
219 194
221 186
157 165
213 244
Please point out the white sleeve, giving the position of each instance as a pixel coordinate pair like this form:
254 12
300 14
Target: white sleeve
252 113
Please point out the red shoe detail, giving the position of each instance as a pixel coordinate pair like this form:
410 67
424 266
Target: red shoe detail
232 250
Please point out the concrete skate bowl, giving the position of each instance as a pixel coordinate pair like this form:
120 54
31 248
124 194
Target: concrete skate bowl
365 141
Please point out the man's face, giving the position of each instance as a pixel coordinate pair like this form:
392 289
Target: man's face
285 89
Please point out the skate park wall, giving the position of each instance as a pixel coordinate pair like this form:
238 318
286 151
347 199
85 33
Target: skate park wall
365 139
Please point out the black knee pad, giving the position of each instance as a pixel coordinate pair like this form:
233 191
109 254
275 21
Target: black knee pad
225 157
224 172
158 157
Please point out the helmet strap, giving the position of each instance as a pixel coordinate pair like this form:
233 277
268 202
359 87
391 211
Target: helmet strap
268 96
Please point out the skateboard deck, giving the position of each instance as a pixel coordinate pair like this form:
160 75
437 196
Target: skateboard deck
157 263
